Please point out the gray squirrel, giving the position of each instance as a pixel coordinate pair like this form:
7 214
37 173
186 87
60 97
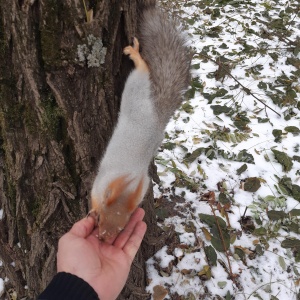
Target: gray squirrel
153 91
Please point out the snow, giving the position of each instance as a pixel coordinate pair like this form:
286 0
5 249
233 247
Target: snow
274 273
1 286
163 257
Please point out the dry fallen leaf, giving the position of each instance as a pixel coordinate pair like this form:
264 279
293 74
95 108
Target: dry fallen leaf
206 233
159 292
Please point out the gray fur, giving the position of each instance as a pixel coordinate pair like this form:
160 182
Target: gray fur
164 50
135 138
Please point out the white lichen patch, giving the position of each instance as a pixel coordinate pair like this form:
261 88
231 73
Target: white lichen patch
93 53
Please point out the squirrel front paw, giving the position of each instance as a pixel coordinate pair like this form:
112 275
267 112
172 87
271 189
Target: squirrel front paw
94 214
135 56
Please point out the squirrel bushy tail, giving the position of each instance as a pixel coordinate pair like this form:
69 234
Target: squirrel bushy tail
164 50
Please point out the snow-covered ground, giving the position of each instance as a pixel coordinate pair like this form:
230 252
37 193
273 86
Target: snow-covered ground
226 125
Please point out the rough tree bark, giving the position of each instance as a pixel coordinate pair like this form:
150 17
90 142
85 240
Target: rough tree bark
56 118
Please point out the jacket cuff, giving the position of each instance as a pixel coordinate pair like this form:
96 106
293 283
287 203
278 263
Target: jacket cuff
68 286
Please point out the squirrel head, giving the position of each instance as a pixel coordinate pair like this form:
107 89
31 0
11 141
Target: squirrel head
113 209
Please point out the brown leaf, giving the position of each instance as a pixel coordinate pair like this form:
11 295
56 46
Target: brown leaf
159 292
186 271
206 233
227 206
210 197
183 246
245 250
252 184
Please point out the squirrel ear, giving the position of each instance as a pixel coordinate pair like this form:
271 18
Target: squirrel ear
115 189
134 198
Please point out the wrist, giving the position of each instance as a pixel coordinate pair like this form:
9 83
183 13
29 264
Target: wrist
68 286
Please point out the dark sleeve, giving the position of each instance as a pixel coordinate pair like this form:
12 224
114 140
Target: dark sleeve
65 286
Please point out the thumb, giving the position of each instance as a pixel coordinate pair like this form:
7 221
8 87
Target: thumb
83 228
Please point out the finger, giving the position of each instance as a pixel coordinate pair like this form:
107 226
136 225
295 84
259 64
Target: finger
124 235
134 242
84 227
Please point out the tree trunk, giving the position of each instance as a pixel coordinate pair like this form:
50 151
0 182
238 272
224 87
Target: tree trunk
56 118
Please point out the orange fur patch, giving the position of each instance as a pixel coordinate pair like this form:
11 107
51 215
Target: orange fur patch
95 205
116 188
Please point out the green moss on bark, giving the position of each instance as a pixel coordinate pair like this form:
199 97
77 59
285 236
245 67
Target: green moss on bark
11 192
34 206
2 38
56 21
52 117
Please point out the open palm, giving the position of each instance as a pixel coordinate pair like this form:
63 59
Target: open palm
104 265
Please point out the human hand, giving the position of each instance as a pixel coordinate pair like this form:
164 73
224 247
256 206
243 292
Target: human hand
104 265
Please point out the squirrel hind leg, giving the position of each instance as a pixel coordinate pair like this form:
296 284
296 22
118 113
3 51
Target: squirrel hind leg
135 56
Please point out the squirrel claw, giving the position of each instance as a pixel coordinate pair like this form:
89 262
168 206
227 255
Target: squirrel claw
136 44
93 213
